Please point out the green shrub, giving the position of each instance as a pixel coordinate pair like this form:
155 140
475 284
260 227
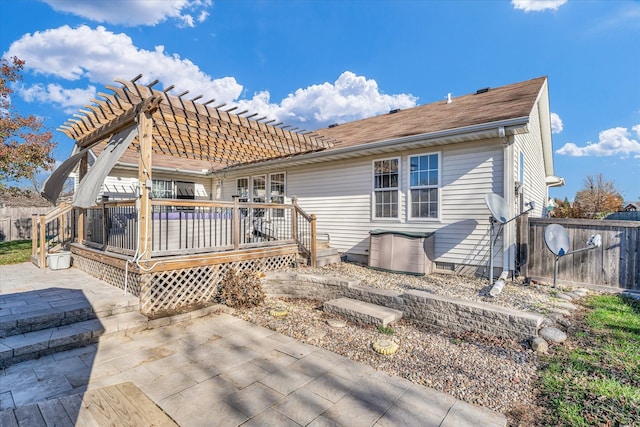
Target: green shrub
241 289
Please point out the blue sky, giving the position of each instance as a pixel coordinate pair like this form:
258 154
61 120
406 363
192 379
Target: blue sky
312 63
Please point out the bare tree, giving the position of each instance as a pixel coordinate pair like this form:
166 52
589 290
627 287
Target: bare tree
598 197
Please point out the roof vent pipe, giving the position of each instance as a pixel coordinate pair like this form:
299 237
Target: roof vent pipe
449 98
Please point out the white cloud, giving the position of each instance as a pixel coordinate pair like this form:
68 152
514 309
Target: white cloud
134 12
614 141
556 123
68 99
75 53
350 97
537 5
98 55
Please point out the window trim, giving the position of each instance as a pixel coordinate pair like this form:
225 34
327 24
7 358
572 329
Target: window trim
374 217
438 187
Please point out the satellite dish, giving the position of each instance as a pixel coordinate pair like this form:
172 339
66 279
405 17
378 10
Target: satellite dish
497 206
499 213
557 239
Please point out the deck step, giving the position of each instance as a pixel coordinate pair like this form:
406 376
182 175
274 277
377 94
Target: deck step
362 312
38 343
326 256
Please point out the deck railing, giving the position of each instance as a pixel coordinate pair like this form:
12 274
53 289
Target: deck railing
51 231
193 226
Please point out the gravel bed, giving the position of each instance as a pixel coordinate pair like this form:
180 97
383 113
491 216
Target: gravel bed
494 373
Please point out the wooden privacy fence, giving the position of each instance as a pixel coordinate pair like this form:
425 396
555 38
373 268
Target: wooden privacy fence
15 222
616 263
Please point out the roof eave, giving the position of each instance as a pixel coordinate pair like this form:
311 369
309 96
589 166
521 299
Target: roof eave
511 126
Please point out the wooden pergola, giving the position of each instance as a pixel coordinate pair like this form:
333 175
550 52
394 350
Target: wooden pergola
171 125
186 128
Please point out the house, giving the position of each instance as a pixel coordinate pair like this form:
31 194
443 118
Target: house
631 207
178 187
424 169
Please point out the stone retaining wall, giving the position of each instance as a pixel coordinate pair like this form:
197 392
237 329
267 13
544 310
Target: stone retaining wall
452 314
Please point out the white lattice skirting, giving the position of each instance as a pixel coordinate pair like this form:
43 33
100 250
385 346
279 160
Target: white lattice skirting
172 289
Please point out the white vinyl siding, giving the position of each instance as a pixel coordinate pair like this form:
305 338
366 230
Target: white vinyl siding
340 194
534 187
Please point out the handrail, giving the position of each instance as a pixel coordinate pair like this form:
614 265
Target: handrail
310 247
61 209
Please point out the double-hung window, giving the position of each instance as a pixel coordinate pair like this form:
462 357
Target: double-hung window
424 185
385 187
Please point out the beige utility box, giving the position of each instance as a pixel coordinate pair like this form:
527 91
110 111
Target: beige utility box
402 251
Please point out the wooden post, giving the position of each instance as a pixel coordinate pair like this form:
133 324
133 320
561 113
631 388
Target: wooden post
43 241
313 240
105 226
523 245
235 223
82 213
294 219
34 235
63 229
145 138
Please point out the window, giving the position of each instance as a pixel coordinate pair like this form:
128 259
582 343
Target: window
385 188
424 181
185 190
259 189
276 192
521 167
277 187
161 189
242 189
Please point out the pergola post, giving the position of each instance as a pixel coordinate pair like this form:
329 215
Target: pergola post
145 138
82 213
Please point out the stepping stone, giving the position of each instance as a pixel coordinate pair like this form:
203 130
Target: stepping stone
362 312
565 297
336 323
553 335
565 305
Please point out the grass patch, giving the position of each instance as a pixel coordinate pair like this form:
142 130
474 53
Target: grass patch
595 379
15 252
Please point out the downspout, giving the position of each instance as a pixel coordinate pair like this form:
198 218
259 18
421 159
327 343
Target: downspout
508 255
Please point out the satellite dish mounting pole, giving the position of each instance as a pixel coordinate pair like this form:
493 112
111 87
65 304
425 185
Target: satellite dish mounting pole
491 242
555 270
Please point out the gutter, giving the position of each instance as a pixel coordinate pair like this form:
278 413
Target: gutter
554 181
510 127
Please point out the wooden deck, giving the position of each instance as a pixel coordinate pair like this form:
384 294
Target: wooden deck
118 405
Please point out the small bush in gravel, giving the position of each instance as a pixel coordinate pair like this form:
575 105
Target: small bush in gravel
241 289
385 330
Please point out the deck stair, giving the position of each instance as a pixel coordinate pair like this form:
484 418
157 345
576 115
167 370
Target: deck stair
362 312
35 324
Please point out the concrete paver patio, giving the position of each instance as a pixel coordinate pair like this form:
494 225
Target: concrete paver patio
221 370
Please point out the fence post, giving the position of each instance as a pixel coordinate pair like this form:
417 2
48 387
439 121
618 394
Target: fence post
313 240
34 235
235 223
43 241
523 246
294 219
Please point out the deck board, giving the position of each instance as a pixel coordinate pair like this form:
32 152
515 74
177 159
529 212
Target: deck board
118 405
